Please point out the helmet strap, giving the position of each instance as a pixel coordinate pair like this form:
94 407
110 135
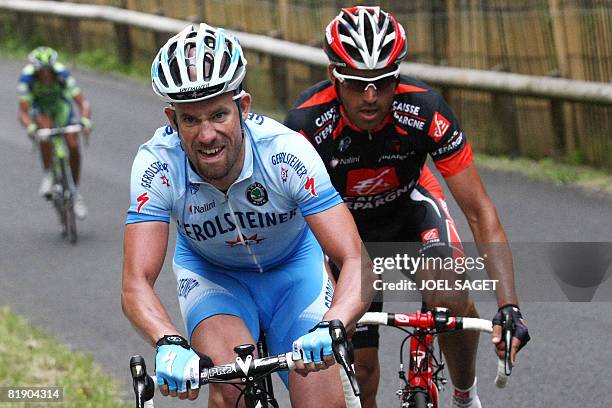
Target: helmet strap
237 97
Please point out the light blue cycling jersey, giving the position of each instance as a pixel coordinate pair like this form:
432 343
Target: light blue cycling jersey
259 222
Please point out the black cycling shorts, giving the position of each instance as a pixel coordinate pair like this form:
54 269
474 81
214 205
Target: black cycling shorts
430 224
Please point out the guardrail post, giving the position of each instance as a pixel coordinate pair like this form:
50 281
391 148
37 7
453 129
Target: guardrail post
202 14
123 43
505 136
558 122
160 37
24 26
280 66
278 74
73 27
316 72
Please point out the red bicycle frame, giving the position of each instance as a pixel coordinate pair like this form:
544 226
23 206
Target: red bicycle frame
421 385
421 366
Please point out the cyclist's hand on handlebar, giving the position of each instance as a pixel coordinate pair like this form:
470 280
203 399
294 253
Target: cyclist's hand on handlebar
510 316
313 351
87 125
177 368
31 129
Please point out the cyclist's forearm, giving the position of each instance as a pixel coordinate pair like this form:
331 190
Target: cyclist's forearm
500 268
145 246
83 105
353 294
24 115
146 313
491 240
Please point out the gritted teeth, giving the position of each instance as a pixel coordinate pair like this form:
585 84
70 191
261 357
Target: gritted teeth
212 151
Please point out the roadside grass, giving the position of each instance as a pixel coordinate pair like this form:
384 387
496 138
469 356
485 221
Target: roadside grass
31 358
561 174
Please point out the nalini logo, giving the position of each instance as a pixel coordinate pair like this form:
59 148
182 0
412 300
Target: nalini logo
430 235
439 127
198 209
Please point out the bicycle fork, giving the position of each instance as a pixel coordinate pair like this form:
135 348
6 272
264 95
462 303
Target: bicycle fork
422 372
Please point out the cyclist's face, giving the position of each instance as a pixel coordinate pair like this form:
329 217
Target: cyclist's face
45 75
366 105
211 136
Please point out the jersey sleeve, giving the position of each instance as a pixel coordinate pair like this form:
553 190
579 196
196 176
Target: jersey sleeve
64 74
304 176
23 86
295 121
312 114
449 147
150 199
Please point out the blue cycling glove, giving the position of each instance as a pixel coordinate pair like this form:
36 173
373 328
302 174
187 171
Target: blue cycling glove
312 346
176 364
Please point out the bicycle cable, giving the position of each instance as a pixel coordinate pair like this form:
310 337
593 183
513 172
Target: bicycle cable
253 386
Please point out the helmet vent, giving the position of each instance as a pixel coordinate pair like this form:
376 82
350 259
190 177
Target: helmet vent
162 76
209 41
175 72
369 37
208 65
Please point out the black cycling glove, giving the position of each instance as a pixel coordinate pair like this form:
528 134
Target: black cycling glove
512 314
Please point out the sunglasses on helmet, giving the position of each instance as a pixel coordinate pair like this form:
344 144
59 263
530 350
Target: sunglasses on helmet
361 84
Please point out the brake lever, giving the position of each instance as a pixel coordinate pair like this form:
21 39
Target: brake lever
507 330
144 388
342 354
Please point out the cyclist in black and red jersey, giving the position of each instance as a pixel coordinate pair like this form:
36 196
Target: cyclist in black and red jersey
374 129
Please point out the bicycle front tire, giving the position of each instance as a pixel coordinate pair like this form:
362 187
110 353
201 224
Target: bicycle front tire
70 221
69 218
419 400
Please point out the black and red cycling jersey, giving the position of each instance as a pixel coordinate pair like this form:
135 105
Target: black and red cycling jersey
377 171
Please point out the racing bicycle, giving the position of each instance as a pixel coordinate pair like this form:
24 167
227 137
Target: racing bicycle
253 375
63 192
424 376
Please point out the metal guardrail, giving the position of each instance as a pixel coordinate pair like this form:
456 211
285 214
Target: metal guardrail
472 79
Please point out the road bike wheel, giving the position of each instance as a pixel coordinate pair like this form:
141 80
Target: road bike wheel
418 400
70 221
69 218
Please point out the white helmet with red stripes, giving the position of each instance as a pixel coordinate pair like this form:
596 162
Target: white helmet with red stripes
365 38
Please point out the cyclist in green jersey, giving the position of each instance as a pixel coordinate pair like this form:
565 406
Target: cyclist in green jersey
46 92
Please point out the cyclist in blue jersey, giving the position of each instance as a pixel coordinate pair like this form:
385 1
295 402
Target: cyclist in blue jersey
254 207
46 92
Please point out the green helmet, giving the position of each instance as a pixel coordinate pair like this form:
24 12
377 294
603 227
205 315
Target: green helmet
43 57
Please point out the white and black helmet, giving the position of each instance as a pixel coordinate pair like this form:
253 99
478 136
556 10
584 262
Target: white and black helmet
198 63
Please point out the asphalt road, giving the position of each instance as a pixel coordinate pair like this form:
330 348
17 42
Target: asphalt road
73 292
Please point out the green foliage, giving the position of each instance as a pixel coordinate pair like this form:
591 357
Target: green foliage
30 357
